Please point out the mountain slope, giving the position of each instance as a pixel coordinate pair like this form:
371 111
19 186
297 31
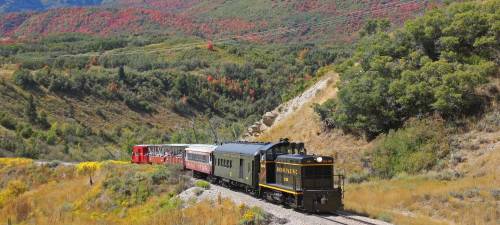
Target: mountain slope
36 5
297 121
323 20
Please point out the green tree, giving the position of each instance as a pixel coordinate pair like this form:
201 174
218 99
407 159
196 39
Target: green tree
121 73
43 121
30 111
434 64
23 77
373 26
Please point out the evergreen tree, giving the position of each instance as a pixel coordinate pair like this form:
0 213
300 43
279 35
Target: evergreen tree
30 110
121 73
42 120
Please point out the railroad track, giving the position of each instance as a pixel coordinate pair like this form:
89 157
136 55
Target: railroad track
347 218
282 213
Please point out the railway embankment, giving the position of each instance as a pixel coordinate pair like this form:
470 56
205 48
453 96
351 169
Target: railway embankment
280 214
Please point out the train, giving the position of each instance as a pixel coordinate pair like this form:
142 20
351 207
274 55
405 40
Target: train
281 172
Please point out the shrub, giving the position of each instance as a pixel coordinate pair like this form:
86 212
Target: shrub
25 131
14 188
88 168
42 120
8 122
202 184
385 217
254 216
495 193
490 122
410 149
198 191
23 78
358 178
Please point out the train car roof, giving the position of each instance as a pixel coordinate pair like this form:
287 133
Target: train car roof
172 145
201 148
247 148
298 158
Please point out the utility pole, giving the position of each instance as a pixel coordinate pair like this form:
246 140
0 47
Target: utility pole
194 130
214 132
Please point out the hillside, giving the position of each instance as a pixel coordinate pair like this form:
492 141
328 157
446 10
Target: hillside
297 121
112 93
312 21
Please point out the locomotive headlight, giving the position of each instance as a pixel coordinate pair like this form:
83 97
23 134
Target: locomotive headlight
319 159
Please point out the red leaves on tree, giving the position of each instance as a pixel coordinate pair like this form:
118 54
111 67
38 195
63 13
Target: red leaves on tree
210 46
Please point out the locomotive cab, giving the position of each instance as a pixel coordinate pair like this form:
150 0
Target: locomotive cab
289 176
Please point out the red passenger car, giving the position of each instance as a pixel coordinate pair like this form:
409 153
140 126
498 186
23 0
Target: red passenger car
199 159
159 154
140 154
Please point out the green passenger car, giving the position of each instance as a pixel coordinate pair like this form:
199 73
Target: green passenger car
238 163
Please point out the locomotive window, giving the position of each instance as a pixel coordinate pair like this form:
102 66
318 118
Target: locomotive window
318 171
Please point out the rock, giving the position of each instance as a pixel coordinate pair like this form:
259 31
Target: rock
254 128
268 118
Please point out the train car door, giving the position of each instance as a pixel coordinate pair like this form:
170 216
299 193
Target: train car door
240 175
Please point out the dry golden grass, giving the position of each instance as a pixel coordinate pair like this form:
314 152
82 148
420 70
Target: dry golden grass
6 71
305 126
205 212
426 200
71 200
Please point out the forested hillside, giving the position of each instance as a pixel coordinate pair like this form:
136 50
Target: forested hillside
311 20
87 106
442 65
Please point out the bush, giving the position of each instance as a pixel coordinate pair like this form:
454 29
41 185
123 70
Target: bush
8 122
490 122
253 216
357 178
23 78
385 217
411 149
202 184
25 131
